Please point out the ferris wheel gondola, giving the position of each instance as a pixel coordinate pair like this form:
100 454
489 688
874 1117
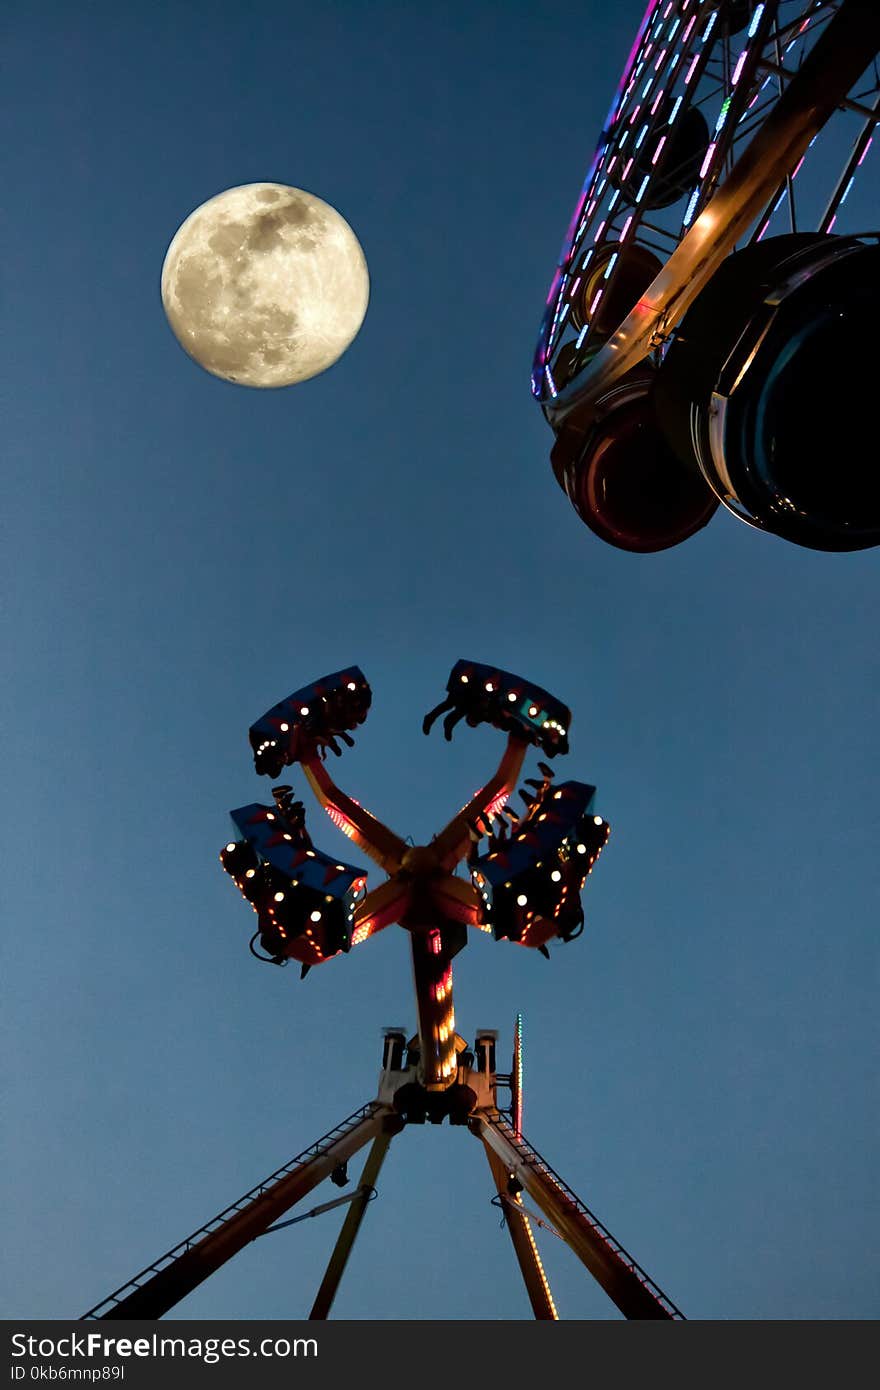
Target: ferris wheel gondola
709 332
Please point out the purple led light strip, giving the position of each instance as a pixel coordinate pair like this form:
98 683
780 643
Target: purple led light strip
581 219
545 340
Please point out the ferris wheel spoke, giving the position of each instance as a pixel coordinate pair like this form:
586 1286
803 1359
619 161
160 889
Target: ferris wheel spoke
735 121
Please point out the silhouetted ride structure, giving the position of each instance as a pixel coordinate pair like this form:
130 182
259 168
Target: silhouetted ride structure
527 870
710 330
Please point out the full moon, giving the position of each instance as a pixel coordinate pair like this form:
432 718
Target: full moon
265 285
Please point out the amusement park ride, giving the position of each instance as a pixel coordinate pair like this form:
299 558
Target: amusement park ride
686 358
524 885
709 334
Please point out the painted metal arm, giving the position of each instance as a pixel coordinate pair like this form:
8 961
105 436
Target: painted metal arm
164 1283
381 907
368 833
432 951
838 59
452 843
625 1282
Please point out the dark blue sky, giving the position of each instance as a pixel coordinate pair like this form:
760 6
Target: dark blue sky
181 554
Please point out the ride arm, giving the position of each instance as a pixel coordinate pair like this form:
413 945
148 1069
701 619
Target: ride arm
452 843
382 906
375 839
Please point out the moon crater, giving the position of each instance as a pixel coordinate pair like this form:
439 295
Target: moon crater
265 285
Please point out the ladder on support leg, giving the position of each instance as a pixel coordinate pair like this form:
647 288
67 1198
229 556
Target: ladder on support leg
176 1273
622 1277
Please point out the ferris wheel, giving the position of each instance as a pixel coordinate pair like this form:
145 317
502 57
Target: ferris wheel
709 335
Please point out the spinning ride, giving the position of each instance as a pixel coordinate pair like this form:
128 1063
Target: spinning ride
527 870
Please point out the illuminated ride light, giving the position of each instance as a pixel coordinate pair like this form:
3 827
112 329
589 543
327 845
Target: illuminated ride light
481 694
680 128
304 900
530 883
309 720
670 113
516 1078
340 820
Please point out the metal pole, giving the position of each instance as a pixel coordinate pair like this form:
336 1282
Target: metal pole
350 1227
317 1211
843 183
432 975
534 1278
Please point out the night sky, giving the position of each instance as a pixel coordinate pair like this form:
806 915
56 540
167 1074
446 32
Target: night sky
182 553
